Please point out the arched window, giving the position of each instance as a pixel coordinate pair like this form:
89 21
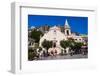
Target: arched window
55 32
67 32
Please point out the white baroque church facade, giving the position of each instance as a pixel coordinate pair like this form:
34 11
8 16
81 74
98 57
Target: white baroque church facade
54 34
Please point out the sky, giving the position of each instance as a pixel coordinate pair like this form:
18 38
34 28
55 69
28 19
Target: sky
77 24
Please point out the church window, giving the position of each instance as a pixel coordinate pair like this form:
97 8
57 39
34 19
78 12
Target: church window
67 32
54 31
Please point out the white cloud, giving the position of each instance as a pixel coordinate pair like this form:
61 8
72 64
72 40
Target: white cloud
32 27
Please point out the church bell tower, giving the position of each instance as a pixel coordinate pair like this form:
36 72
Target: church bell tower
67 28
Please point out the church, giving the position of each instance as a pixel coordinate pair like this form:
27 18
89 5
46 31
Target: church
55 35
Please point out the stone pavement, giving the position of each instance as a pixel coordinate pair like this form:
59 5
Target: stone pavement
79 56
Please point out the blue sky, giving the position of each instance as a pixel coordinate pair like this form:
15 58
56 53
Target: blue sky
77 24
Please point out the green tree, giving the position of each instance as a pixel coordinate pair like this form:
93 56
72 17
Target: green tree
47 44
32 54
36 35
71 43
78 46
68 43
63 44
